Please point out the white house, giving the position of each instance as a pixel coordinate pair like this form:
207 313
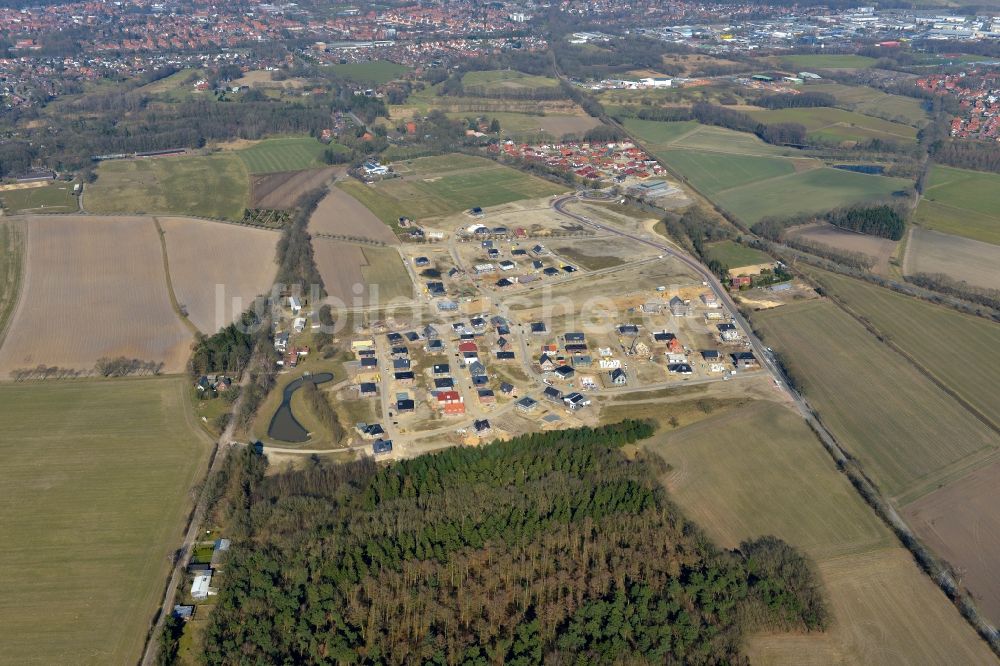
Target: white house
199 588
294 304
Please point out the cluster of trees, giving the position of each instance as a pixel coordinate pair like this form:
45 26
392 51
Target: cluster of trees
123 367
615 57
945 284
227 351
802 100
710 114
549 547
296 264
42 371
695 228
880 220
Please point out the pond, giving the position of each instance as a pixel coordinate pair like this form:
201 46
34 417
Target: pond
284 426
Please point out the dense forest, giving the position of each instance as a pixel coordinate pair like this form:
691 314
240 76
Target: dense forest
801 100
882 220
551 547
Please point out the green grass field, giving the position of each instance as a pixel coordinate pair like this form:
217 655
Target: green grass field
56 197
448 184
758 470
826 61
499 80
962 202
909 435
377 71
96 477
870 101
289 154
923 330
839 125
385 269
210 186
689 135
735 255
656 133
711 173
11 266
811 191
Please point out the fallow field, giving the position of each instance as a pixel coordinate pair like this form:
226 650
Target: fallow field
340 214
356 274
205 186
216 269
909 435
758 470
93 287
950 345
959 258
445 185
880 250
962 202
96 476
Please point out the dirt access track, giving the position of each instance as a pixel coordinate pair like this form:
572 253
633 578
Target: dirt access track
280 191
93 287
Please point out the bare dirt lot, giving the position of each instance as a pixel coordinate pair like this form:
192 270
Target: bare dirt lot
93 287
973 261
961 524
211 259
880 249
341 214
280 191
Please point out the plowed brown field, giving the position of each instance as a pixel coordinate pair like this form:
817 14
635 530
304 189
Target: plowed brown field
93 287
341 214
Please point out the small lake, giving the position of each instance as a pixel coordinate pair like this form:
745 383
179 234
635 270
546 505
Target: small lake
870 169
284 426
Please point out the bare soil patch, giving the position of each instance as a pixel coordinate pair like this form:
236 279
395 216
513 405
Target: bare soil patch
340 265
341 214
961 524
217 269
959 258
880 249
93 287
280 191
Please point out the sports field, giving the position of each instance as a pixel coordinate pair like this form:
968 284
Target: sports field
909 435
826 61
96 477
711 172
288 154
810 191
949 344
870 101
735 255
962 202
498 81
56 197
759 470
959 258
205 186
839 125
376 71
450 184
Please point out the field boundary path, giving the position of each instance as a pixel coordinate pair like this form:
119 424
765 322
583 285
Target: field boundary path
19 283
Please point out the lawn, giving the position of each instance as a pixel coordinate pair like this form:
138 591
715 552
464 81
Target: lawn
909 435
735 255
215 186
924 330
287 154
962 202
377 71
96 477
497 81
826 61
432 191
711 173
758 470
864 99
811 191
839 125
55 197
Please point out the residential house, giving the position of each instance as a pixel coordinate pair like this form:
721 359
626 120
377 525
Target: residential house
546 363
367 389
527 404
576 401
381 447
451 403
486 397
745 360
680 307
552 394
728 332
618 377
404 378
565 372
405 406
441 370
444 383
